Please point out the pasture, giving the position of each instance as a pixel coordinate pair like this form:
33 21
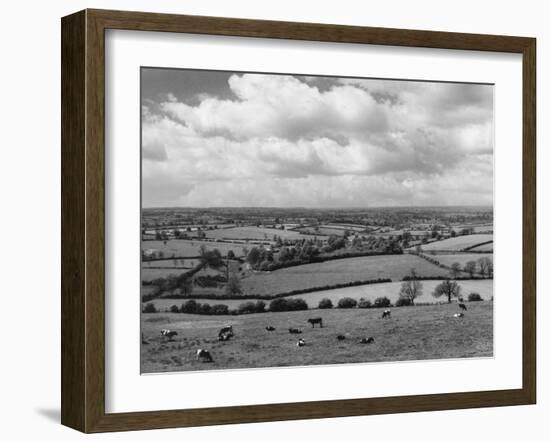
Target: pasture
338 271
484 248
255 234
462 258
190 248
458 243
412 333
388 289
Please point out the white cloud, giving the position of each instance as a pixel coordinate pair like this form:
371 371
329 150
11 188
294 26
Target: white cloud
285 142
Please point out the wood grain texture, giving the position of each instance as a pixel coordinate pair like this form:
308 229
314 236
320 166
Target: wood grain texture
73 129
83 220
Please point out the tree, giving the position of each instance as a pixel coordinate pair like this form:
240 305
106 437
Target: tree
325 303
470 267
233 286
455 270
447 288
411 289
253 256
231 255
186 287
485 266
211 258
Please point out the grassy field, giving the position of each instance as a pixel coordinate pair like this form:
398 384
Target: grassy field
338 271
458 243
413 333
189 248
461 258
388 289
484 248
255 233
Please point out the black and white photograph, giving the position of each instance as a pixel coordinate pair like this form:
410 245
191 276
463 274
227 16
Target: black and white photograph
301 220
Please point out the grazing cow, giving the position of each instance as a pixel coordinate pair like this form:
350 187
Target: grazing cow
294 331
314 321
270 328
300 343
462 306
225 330
386 314
168 334
225 336
458 315
340 337
367 340
204 355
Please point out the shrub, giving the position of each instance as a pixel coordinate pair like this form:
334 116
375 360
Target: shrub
190 306
286 305
260 307
382 302
204 309
174 309
347 303
246 308
403 302
325 303
149 308
472 297
220 309
364 303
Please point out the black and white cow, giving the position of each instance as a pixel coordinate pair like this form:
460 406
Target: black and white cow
300 343
204 355
340 337
225 336
269 328
386 314
168 334
369 340
314 321
458 315
228 329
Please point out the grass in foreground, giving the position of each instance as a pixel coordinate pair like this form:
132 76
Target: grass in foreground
413 333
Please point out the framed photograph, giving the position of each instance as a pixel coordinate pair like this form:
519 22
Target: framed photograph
267 221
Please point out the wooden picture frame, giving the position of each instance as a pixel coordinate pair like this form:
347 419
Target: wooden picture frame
83 220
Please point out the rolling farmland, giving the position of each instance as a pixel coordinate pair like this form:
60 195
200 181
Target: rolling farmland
461 258
190 248
255 233
458 243
484 248
338 271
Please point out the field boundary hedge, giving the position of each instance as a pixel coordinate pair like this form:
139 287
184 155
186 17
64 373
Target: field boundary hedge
215 296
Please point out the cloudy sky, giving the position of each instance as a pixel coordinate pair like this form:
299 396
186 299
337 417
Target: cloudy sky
213 138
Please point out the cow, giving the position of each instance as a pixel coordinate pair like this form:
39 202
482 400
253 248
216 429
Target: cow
269 328
369 340
294 331
300 343
340 337
204 355
168 334
458 315
225 330
225 336
314 321
386 314
462 306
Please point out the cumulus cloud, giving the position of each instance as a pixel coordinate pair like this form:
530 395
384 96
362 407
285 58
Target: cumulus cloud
280 140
